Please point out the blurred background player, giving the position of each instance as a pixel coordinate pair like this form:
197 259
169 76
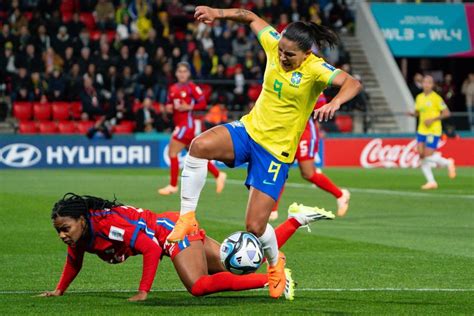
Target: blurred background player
184 97
115 232
307 150
267 138
430 110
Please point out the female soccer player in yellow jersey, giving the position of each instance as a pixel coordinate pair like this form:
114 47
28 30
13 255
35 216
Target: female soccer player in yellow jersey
266 138
431 109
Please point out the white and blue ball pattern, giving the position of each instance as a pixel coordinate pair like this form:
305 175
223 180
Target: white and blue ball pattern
241 253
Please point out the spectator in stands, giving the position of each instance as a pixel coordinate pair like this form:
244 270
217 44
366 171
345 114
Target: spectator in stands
7 62
146 83
84 40
62 40
448 91
141 59
416 87
223 43
91 104
75 26
96 77
6 35
103 59
74 83
128 81
39 86
51 60
43 40
104 14
216 115
24 38
69 59
85 59
112 83
283 22
468 91
241 45
31 60
121 108
22 87
17 21
147 120
56 86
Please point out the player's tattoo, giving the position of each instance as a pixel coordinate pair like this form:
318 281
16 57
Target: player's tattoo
221 13
241 15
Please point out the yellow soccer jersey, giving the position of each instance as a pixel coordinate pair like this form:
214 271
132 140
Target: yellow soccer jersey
429 106
281 112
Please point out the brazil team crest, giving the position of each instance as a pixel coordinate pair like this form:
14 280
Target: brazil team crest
296 78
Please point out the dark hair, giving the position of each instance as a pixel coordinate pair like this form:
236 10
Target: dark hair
75 206
307 34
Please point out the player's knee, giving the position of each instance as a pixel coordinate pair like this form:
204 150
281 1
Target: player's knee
199 148
256 228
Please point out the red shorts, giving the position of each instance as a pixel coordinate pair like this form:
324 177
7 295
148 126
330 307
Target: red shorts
308 145
172 249
184 134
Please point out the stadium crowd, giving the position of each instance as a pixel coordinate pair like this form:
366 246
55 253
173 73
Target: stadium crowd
113 56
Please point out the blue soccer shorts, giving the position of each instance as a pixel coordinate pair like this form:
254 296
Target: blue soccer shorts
431 141
264 172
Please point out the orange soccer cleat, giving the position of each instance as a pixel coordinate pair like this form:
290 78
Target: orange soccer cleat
186 225
276 277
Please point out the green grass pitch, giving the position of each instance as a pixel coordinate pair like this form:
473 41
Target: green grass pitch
398 251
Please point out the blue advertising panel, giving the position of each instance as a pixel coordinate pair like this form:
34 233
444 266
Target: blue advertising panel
76 151
426 30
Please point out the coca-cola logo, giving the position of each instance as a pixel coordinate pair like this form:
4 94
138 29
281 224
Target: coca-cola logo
376 154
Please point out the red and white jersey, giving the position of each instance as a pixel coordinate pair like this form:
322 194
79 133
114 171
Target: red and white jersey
188 93
117 233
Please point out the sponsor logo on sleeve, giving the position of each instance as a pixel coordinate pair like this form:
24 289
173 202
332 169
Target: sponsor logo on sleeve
116 233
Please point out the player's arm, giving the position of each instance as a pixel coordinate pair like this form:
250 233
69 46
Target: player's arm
151 252
199 99
349 88
207 15
70 271
443 115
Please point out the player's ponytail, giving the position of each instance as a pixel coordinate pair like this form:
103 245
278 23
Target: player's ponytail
309 34
75 206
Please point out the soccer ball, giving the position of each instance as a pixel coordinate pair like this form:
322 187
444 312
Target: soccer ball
241 253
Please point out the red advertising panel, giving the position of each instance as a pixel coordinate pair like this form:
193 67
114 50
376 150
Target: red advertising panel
390 152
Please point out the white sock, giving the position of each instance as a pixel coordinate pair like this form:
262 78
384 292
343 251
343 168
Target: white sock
270 245
193 179
438 159
426 168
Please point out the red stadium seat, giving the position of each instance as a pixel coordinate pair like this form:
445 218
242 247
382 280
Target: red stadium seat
67 127
254 92
88 19
22 111
95 35
66 16
76 109
28 127
125 127
137 105
111 35
28 15
42 111
84 126
60 111
344 123
47 127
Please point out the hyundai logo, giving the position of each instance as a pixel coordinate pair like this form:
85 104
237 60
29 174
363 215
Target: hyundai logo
20 155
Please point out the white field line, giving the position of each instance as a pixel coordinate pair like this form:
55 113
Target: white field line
388 289
371 191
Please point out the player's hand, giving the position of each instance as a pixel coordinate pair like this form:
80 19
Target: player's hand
183 106
140 296
205 14
428 122
51 293
327 111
